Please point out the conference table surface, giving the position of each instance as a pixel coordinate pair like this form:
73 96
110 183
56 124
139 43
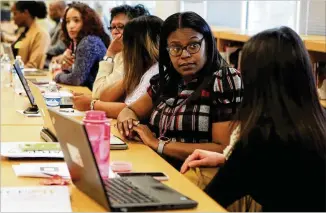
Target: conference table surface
16 127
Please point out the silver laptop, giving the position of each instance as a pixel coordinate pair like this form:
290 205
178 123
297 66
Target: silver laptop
48 128
37 101
137 193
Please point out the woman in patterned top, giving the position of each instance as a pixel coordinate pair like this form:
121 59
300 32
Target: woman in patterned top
84 35
193 98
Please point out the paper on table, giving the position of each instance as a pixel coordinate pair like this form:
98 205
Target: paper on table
46 170
13 150
29 115
41 170
30 69
35 199
74 113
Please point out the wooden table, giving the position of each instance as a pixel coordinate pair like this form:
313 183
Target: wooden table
137 154
20 128
11 102
323 103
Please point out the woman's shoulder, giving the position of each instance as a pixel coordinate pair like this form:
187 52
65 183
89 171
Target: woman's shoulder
91 40
153 70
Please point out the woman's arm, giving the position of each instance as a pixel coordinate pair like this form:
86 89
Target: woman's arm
138 110
108 74
38 52
235 178
112 109
220 137
114 93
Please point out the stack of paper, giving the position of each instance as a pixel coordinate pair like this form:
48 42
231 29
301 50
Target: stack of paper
41 169
16 150
35 199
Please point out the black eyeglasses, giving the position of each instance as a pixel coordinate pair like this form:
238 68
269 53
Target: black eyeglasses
190 48
119 28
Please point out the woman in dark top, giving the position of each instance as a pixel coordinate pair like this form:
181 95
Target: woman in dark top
279 159
191 101
84 35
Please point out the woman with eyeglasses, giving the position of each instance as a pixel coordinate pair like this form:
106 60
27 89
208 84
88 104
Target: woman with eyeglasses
111 68
140 53
190 103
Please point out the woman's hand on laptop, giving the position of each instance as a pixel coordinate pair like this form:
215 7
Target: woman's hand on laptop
202 158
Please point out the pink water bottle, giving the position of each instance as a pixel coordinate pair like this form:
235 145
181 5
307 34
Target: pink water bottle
98 131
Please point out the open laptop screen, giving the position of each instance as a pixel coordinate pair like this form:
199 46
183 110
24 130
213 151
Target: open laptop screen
25 84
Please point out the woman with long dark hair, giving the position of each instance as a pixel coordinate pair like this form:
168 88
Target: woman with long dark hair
83 33
277 153
140 55
190 103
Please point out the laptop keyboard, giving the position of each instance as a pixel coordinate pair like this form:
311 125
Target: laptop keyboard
122 191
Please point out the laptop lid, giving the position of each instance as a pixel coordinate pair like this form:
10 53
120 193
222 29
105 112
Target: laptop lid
25 84
40 102
86 176
7 50
79 157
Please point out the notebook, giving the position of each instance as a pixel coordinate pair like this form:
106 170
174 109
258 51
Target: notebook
35 199
16 150
45 170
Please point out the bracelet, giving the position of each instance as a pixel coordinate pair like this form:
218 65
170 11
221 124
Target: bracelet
93 104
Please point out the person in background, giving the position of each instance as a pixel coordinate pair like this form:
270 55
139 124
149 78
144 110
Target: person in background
83 33
34 41
111 67
57 47
190 103
278 152
140 54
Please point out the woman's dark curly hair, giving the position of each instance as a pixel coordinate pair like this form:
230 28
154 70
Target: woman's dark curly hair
92 24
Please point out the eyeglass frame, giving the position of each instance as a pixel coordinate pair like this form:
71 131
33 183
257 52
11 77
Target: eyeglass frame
185 48
119 28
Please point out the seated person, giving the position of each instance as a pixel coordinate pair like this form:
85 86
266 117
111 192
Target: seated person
191 101
277 155
84 35
57 47
34 41
111 67
140 55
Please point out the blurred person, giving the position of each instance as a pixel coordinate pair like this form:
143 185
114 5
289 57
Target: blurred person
34 41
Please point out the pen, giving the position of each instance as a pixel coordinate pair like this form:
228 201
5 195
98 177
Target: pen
66 110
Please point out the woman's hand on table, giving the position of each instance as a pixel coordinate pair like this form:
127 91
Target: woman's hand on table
202 158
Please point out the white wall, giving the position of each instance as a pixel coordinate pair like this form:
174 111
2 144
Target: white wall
164 9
